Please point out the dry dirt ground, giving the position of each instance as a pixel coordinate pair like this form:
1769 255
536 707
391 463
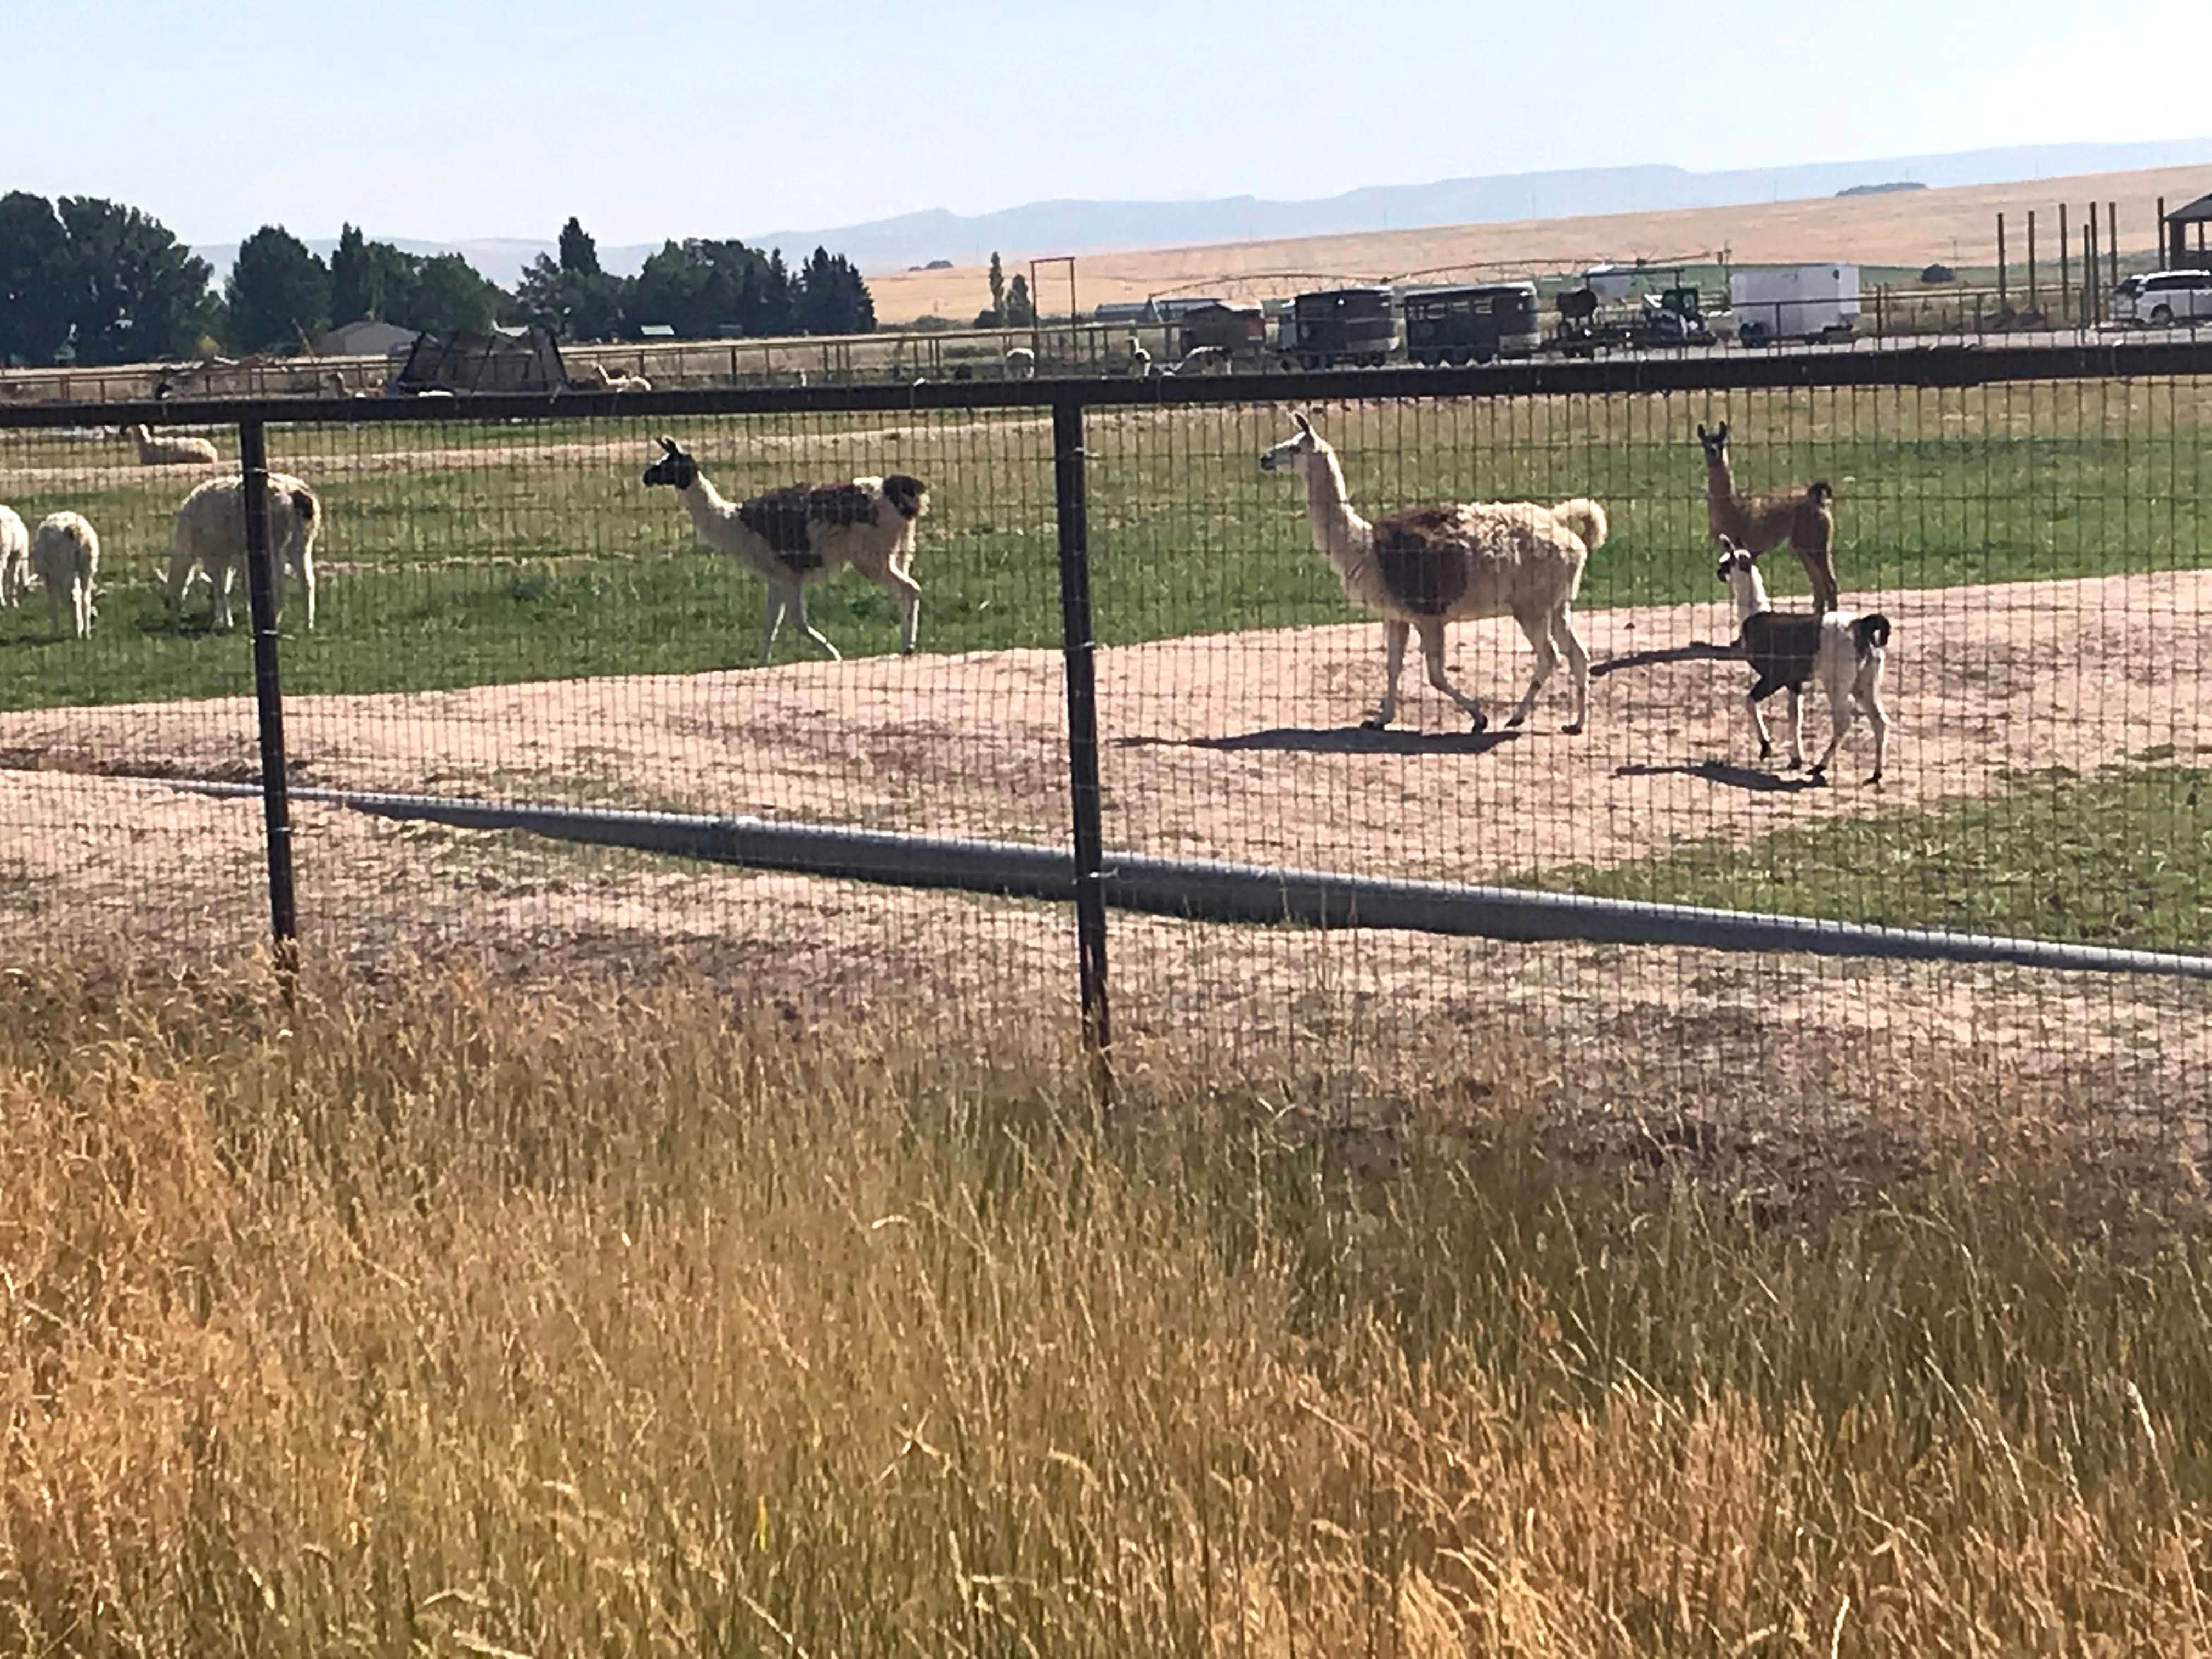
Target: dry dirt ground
1241 746
1957 226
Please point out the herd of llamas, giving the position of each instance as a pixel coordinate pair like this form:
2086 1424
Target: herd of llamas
1418 569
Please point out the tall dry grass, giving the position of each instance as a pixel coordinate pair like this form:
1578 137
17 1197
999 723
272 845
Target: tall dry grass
455 1320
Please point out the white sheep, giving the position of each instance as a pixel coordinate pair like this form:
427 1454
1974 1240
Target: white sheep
802 532
14 558
210 538
65 554
171 449
1842 651
1428 566
1021 363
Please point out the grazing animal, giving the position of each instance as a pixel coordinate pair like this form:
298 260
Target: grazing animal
1429 566
171 449
65 554
1843 652
210 538
1760 524
802 532
1021 363
14 558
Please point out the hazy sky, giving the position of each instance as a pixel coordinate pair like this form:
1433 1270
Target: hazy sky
446 119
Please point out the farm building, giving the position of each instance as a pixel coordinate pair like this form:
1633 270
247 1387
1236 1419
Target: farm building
2185 226
364 338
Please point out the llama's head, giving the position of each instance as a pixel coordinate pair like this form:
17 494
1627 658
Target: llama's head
674 468
1715 443
1295 451
1739 570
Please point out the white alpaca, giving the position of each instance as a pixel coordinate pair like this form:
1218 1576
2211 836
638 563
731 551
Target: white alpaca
1842 651
14 558
802 532
170 449
1021 363
65 554
210 537
1429 566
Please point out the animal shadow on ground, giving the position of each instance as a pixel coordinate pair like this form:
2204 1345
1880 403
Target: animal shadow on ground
1339 741
1712 771
1696 651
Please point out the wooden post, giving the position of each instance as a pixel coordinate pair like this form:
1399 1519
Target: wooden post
2089 270
2033 302
2112 247
2065 268
2001 265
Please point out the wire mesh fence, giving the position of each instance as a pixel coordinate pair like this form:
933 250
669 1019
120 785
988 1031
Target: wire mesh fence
507 613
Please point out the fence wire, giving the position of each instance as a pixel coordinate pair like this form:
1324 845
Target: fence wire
507 611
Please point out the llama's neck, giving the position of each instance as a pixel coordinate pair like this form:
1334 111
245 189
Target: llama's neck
1720 479
1749 591
1341 535
709 511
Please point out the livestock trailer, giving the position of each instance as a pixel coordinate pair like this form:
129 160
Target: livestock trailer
1794 302
1329 327
1473 323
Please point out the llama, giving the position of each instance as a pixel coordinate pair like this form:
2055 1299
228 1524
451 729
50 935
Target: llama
1021 363
1759 524
802 532
210 537
170 449
1843 652
1429 566
14 558
65 554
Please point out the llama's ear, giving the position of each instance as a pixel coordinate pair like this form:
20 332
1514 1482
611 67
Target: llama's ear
668 446
1298 420
1721 432
1701 432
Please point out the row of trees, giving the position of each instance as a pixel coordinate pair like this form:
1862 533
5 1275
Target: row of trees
700 288
95 282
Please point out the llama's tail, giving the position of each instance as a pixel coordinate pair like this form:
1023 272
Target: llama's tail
1871 633
1585 518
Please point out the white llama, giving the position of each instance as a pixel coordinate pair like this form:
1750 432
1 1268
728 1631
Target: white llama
802 532
65 554
1429 566
14 558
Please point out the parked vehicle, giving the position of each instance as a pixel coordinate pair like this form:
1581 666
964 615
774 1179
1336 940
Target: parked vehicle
2164 298
1238 333
1348 325
1794 302
1473 323
1674 318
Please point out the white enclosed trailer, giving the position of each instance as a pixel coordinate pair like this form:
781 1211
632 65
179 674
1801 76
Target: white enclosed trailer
1794 302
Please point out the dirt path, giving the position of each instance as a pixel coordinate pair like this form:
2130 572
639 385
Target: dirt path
1246 745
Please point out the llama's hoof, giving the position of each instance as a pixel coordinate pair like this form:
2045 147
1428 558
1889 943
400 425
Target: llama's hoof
1376 723
1512 723
1481 721
1796 765
1572 728
1766 751
1817 778
1875 779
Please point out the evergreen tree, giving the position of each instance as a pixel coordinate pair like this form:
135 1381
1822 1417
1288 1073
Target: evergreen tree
1020 311
450 295
138 293
279 292
356 279
998 286
36 275
578 252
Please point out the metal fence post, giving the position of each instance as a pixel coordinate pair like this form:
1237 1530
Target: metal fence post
269 697
1081 649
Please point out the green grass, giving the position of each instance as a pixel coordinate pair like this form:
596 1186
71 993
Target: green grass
2121 857
461 554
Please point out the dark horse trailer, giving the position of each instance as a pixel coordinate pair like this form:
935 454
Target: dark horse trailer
1473 323
1341 326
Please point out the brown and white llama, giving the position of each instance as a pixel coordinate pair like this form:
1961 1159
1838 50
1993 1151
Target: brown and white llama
802 532
1760 524
1429 566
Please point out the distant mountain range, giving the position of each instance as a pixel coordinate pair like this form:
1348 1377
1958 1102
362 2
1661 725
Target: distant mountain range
1076 226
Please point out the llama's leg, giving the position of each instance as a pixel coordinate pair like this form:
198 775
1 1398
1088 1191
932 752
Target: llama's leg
1870 695
1841 712
54 602
1797 729
1394 635
181 564
84 610
1564 636
777 599
908 592
1537 626
1432 652
1820 567
219 595
1751 700
799 615
307 584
